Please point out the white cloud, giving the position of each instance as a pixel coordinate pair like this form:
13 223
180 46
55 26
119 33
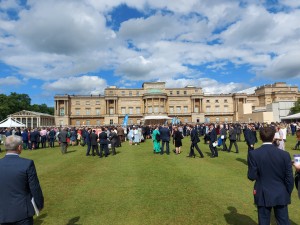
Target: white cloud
65 29
208 85
57 39
84 85
286 64
10 80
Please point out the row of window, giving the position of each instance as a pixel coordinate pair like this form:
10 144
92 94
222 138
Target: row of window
216 101
137 93
156 109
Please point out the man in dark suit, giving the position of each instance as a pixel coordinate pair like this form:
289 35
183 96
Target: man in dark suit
94 143
213 140
223 135
194 143
250 136
232 138
87 141
165 135
272 171
18 185
103 143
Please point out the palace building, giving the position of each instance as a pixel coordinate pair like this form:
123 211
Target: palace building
190 104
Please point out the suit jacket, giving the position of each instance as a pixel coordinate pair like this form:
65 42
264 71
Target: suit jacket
165 134
103 137
223 132
250 137
213 135
271 169
18 184
194 136
232 134
113 137
63 135
94 138
120 131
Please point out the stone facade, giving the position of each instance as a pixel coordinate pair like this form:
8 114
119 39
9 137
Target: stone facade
189 104
34 119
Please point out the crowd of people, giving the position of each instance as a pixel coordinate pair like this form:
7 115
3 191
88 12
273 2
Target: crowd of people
103 141
268 166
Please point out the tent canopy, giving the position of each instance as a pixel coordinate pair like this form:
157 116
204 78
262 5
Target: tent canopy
157 118
10 122
290 117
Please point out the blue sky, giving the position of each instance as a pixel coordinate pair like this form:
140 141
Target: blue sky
80 47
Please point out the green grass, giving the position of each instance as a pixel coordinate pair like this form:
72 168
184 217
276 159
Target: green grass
139 187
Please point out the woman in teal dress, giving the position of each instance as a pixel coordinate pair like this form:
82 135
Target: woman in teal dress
156 140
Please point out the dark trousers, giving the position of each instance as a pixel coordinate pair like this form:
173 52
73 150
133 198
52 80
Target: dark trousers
27 221
235 145
25 145
33 145
224 144
213 150
238 137
88 149
95 147
113 148
167 143
297 145
51 142
281 215
63 146
192 153
43 141
104 147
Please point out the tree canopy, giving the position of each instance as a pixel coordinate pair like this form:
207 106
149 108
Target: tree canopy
296 108
15 102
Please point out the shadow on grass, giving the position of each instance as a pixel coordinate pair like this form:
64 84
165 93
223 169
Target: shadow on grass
234 218
40 219
71 151
242 161
74 221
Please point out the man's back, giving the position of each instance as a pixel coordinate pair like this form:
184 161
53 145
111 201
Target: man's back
18 185
272 170
165 134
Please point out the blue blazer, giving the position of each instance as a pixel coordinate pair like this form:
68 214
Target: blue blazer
250 137
213 135
271 168
18 184
194 136
164 134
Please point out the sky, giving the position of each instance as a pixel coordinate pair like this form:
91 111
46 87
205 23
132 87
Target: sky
81 47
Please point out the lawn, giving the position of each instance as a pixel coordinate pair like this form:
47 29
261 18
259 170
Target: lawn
139 187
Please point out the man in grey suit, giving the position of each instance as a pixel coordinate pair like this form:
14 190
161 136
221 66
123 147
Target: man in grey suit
63 135
18 185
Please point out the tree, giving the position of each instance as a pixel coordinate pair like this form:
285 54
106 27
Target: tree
17 102
296 108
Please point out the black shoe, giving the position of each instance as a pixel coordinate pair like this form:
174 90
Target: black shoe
237 152
212 156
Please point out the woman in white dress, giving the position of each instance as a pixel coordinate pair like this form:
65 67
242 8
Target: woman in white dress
278 138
